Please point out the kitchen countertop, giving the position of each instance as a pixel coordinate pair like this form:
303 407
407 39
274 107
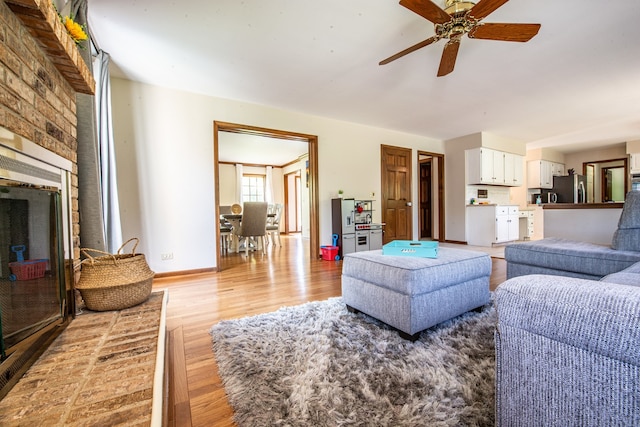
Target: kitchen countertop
493 204
617 205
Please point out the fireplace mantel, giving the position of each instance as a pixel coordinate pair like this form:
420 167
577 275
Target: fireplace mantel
42 20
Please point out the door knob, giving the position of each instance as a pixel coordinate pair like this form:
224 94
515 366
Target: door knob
409 204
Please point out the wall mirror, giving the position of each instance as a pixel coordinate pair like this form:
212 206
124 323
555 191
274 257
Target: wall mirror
607 180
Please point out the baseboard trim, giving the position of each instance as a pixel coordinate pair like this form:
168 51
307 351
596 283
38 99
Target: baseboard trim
184 272
457 242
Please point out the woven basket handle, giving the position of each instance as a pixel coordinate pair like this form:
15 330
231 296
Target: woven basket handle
133 251
85 251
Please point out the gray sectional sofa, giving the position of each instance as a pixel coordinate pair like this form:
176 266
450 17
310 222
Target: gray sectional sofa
570 258
568 351
568 331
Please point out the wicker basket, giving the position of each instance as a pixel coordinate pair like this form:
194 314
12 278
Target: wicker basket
114 281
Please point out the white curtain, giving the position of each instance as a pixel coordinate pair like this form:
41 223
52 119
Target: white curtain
97 190
107 155
239 183
268 196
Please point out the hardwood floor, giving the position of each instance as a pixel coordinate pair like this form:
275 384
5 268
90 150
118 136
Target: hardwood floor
246 286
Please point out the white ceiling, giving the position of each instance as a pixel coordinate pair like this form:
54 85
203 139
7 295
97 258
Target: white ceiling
576 85
258 150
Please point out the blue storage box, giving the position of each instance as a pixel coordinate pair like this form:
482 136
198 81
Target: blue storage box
427 249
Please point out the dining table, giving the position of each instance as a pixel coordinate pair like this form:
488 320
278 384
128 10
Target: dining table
236 220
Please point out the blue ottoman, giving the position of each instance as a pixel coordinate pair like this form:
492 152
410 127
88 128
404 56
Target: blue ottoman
412 294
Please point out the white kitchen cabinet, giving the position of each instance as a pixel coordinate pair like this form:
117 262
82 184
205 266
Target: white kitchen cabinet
527 224
557 169
540 173
513 169
507 224
493 167
489 224
634 163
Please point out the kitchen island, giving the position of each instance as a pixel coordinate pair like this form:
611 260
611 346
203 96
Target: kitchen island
585 222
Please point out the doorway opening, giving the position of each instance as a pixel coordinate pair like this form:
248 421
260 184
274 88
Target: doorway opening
431 196
606 180
293 199
312 179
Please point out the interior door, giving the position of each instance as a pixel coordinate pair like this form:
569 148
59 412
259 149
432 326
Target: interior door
396 193
426 220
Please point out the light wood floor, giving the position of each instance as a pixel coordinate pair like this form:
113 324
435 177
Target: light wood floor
246 286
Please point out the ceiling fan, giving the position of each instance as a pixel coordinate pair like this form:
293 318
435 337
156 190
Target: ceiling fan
457 19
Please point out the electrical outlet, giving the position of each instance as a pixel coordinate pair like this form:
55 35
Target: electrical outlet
167 256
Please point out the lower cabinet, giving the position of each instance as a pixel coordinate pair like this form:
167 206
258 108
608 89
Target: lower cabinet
489 224
375 239
348 243
526 225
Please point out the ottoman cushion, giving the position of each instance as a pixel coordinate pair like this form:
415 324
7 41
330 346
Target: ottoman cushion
411 293
415 275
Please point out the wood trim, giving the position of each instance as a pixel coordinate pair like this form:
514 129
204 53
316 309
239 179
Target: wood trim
183 272
625 163
311 140
256 165
441 194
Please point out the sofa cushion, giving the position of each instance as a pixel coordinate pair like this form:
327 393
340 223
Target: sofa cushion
568 255
627 236
628 276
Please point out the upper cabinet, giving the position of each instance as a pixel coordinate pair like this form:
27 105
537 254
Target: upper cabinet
540 173
513 169
634 163
493 167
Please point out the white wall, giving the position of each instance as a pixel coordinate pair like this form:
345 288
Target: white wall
575 160
458 193
164 150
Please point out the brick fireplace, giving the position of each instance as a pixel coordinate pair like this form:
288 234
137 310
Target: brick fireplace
41 74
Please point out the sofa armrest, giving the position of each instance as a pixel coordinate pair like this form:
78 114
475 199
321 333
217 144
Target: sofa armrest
602 318
567 352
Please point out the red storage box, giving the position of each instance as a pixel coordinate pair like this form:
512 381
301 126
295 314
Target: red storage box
329 253
29 269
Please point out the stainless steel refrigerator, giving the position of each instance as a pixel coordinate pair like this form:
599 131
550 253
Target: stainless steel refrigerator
570 188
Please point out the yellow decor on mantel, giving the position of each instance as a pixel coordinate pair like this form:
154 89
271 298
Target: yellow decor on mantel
43 22
75 30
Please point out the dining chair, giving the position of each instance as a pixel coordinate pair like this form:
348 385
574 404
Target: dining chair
254 224
225 234
273 224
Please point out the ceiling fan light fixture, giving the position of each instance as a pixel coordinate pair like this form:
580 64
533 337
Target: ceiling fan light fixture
454 7
459 18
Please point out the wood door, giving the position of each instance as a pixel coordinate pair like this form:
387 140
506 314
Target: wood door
426 214
396 193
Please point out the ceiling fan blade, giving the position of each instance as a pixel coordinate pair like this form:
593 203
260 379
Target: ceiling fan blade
484 7
428 10
449 55
505 32
410 49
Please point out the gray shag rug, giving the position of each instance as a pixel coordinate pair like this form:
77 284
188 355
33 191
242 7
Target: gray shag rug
317 364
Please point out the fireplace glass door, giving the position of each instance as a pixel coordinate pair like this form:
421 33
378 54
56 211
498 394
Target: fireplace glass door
32 292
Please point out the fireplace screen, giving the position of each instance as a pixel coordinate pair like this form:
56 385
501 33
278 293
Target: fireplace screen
31 275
